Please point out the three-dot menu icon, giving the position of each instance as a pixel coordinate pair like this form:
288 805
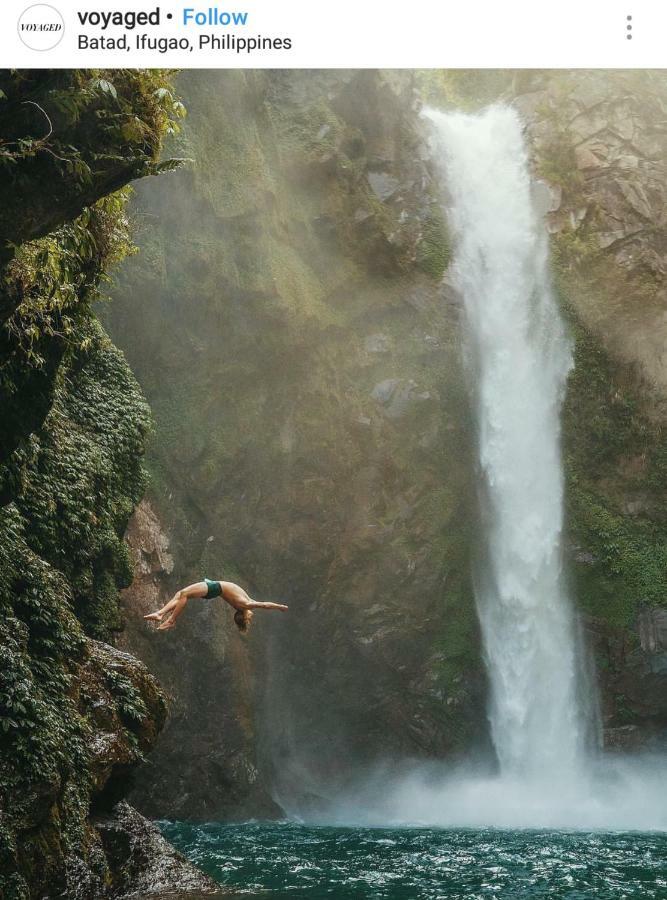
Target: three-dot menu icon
628 28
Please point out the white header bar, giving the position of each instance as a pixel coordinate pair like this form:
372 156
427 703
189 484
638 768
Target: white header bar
340 34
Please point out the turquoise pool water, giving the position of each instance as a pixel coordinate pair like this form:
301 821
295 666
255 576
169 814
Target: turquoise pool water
291 860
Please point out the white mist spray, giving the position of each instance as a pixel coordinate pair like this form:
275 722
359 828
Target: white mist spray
519 357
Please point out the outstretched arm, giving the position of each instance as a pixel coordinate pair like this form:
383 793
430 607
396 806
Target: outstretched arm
256 604
240 599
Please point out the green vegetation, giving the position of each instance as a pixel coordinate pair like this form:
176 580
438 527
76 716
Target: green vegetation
557 162
61 225
433 251
614 448
70 137
85 478
616 471
62 560
74 427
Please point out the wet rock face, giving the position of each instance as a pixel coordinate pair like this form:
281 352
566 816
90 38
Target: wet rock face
205 765
149 546
618 141
633 676
143 863
397 397
319 432
127 711
123 710
599 143
653 638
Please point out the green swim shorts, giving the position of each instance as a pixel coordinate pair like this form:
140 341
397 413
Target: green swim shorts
214 589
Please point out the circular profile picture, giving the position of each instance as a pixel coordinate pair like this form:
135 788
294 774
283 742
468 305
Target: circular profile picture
41 27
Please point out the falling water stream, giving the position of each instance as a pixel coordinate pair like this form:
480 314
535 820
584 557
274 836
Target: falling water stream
519 359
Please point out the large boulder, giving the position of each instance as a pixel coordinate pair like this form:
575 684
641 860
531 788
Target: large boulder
143 863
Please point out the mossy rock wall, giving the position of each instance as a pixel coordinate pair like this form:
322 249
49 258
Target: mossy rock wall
600 141
76 714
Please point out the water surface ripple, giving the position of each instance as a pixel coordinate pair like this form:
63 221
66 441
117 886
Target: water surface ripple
291 860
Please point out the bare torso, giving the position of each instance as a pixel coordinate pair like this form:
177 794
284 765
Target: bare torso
235 595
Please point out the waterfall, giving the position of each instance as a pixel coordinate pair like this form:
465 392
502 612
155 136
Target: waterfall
519 357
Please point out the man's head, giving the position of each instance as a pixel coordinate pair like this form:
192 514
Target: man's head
242 618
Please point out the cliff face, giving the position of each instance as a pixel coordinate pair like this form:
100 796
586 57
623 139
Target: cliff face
312 427
206 764
76 714
302 357
601 143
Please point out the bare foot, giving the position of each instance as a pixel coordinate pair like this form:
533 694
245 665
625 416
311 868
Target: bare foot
154 617
168 623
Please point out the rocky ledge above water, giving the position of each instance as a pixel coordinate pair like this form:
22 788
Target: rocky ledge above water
143 863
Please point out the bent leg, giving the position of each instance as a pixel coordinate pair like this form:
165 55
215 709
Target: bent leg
175 606
195 591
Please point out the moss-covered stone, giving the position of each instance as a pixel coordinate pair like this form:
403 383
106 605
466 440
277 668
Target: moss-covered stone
617 486
63 560
75 715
